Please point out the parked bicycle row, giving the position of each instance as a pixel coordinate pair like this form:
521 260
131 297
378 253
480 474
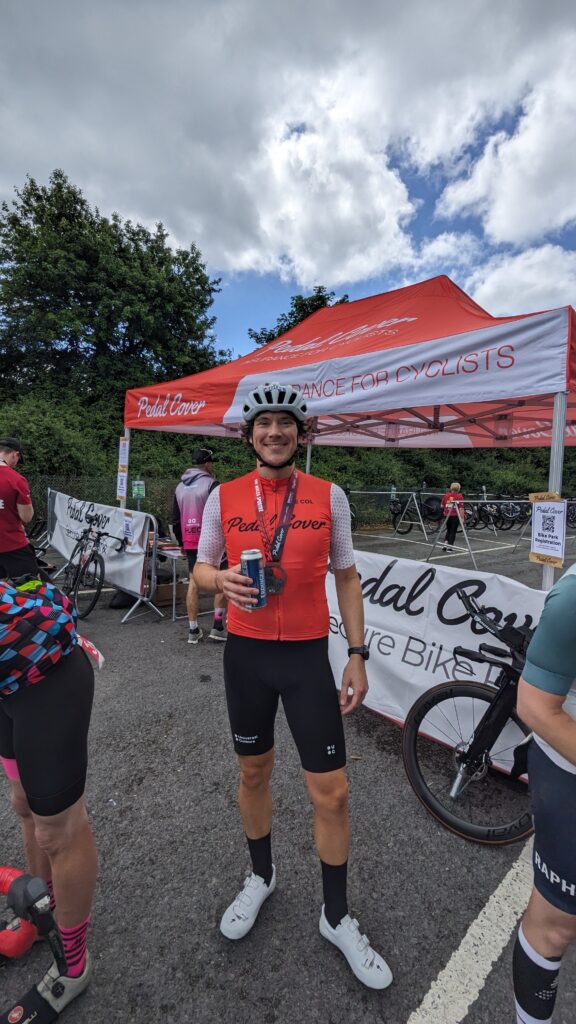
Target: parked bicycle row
404 510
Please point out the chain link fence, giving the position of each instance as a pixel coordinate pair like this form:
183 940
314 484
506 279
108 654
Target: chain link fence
102 490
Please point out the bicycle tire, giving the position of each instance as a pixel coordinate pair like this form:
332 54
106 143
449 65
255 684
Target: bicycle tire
89 583
71 570
401 525
431 766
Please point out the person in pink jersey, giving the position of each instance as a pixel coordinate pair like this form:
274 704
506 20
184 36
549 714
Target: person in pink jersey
196 484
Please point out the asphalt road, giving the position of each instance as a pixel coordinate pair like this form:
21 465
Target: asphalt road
161 794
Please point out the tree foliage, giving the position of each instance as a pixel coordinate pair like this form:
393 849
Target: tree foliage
301 306
93 302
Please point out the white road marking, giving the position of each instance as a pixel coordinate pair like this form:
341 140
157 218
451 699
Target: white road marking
461 981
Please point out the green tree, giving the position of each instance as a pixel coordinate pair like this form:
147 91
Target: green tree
96 303
301 306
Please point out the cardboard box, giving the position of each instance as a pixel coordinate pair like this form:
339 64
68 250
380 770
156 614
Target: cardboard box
163 594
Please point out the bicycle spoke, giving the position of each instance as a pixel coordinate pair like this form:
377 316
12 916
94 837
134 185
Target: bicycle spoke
487 797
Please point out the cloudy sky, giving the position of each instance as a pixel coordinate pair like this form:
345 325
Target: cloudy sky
360 146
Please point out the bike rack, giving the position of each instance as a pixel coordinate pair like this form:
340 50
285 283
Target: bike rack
442 532
412 500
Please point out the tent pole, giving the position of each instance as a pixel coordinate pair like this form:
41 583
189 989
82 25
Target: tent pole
556 465
308 456
122 502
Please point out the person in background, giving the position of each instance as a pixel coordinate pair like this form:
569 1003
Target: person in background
187 511
451 502
16 552
547 704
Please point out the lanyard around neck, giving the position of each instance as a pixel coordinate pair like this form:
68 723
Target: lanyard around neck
275 547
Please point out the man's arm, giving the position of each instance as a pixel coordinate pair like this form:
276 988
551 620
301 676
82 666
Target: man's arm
542 712
207 574
351 605
26 512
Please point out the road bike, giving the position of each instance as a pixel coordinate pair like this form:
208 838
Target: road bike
464 746
84 573
404 513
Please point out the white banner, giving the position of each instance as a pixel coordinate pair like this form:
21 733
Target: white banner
500 362
413 621
124 569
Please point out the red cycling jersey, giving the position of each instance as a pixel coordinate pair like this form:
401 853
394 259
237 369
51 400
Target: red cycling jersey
14 491
300 612
450 502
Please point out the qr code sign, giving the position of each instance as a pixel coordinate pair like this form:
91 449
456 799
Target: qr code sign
548 524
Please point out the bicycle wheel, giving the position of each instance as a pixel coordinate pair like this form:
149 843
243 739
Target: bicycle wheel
490 807
89 583
432 510
401 525
70 571
470 514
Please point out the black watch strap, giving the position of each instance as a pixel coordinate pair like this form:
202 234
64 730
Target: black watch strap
362 651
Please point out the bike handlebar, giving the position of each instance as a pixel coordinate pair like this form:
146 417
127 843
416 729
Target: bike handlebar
122 541
515 639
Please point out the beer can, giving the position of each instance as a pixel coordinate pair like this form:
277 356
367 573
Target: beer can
252 563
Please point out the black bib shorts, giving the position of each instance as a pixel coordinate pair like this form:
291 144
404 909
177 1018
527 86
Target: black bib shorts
44 728
258 673
553 792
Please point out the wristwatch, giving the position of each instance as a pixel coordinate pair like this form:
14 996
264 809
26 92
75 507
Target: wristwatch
363 651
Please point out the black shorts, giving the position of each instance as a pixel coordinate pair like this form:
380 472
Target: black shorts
553 793
258 673
192 555
18 563
44 728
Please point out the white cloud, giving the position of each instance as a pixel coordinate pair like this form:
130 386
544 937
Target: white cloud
448 253
279 137
540 278
523 184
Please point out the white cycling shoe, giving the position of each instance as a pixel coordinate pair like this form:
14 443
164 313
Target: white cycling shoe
241 915
368 966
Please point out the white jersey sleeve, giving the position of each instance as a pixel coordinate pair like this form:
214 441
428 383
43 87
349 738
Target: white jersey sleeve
211 545
341 546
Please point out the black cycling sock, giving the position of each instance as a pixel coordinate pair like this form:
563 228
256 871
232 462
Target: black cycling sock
535 982
334 880
261 854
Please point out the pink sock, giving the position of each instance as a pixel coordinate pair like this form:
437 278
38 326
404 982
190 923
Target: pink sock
74 942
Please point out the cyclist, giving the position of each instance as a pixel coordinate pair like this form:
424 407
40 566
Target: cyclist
16 552
547 703
187 510
46 692
281 651
451 503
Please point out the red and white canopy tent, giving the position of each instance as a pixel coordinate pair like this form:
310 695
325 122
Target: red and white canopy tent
419 367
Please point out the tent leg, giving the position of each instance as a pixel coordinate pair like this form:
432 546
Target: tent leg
556 466
122 501
308 457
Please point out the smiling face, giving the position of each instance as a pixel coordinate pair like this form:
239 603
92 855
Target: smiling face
275 439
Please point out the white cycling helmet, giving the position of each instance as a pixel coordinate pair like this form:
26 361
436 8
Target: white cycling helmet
275 398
